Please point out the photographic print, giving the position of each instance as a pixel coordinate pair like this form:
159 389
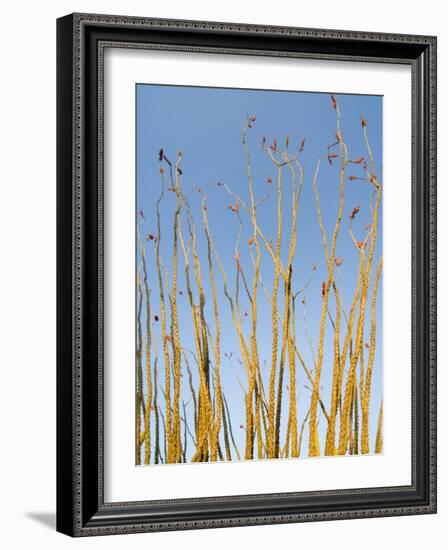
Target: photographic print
258 274
238 293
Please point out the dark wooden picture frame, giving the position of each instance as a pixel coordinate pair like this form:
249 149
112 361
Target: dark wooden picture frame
81 510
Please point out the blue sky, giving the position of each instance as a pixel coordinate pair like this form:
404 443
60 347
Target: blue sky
206 125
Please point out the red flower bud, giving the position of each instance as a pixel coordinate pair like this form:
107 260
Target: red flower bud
354 212
358 160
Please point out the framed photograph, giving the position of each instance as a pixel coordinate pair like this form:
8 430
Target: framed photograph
246 274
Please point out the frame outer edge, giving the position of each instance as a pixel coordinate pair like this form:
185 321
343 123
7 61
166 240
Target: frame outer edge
70 513
65 371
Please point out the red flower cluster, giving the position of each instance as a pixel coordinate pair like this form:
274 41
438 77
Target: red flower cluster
359 160
162 156
331 156
354 212
324 289
234 207
251 119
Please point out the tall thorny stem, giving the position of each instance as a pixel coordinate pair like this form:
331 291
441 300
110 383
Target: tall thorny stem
313 446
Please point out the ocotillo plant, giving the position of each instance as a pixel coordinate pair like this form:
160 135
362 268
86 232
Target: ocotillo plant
188 293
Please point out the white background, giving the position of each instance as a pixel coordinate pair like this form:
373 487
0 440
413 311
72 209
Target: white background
124 482
27 286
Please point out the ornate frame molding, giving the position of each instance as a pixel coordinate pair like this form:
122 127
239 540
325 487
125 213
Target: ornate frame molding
81 42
